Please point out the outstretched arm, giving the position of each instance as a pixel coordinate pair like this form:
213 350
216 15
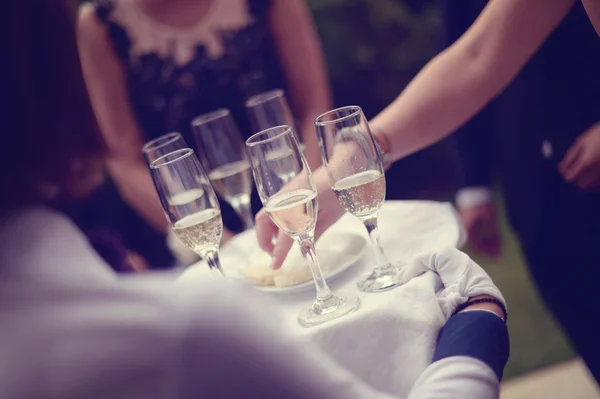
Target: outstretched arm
460 81
592 7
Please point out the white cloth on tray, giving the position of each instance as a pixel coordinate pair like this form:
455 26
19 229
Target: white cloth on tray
69 328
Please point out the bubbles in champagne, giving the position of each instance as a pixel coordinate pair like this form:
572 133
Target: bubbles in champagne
200 231
361 194
295 212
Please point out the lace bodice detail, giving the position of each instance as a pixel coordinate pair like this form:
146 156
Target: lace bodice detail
174 75
177 74
149 36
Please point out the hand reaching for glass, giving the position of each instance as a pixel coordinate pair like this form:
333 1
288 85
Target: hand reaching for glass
278 244
288 193
353 177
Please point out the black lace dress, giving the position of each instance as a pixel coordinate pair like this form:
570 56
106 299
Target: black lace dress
174 76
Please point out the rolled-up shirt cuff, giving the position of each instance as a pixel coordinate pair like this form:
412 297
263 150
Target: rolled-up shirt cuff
472 196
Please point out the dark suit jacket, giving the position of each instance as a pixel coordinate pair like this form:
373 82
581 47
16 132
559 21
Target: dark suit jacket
555 98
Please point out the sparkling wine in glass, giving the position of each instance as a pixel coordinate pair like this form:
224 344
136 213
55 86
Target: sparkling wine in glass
356 175
190 203
163 145
292 205
225 157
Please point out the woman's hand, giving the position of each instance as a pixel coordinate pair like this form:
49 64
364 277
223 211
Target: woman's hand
581 164
277 243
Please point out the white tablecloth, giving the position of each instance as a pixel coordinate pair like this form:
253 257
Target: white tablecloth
389 340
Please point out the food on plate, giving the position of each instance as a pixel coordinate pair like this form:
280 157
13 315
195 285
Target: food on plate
264 276
292 276
261 275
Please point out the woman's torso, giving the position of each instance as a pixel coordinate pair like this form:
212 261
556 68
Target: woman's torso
175 74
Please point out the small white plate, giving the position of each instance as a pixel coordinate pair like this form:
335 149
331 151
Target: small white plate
337 251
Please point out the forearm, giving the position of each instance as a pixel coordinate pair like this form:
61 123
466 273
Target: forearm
304 68
135 184
446 93
468 197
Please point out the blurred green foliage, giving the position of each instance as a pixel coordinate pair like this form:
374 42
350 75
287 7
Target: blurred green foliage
374 47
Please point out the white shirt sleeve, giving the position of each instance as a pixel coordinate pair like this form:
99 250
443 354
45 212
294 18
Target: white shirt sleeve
469 197
457 377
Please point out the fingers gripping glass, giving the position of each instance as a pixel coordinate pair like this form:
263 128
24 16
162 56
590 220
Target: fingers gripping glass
289 196
190 203
355 170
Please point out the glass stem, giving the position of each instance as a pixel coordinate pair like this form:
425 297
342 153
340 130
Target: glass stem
380 258
307 247
244 211
214 264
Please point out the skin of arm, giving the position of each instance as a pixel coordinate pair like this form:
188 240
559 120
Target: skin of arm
106 83
461 80
300 53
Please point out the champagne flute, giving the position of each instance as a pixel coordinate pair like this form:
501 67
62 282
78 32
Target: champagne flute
190 203
163 145
225 157
271 109
356 175
292 205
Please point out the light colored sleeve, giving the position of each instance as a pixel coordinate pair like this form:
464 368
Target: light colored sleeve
469 197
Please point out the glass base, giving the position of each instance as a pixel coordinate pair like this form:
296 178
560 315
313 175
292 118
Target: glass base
332 308
381 279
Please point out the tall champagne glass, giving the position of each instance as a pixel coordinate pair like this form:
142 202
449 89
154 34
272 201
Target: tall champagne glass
270 109
224 156
356 175
163 145
190 203
292 205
